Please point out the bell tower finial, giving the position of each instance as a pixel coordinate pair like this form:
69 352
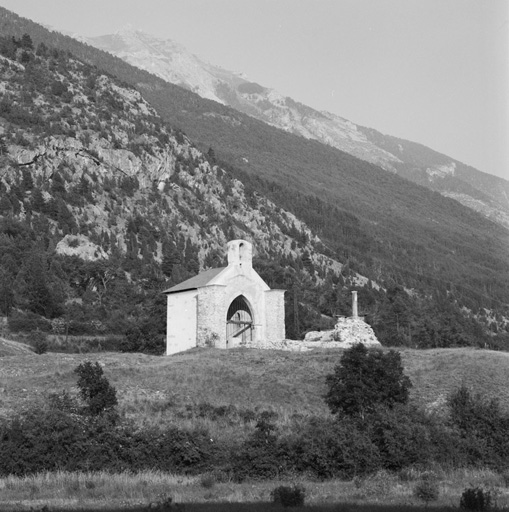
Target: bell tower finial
240 252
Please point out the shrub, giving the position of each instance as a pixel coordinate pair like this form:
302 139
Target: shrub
95 390
505 477
258 457
164 502
365 379
402 435
42 440
476 498
45 439
427 489
63 402
39 342
145 339
328 448
482 426
208 481
80 328
26 322
378 485
288 496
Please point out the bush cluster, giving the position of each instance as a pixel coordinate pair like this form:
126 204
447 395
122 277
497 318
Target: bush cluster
345 448
65 435
50 439
86 435
427 489
476 499
289 496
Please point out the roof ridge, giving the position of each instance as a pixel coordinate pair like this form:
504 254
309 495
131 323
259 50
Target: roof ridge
198 281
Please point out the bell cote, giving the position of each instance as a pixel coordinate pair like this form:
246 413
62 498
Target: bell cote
240 252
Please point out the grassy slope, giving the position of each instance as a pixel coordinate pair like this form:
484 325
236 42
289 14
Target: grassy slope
13 348
283 381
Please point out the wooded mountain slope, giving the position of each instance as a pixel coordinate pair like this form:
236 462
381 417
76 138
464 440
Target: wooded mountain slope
443 262
480 191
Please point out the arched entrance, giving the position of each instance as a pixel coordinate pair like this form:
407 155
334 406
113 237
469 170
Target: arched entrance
239 322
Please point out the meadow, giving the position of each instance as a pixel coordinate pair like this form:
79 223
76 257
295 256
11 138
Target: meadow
382 492
220 391
150 388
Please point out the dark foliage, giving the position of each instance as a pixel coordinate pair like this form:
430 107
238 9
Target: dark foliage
95 390
482 427
46 440
326 449
258 457
146 338
366 378
476 499
427 489
39 341
28 322
287 496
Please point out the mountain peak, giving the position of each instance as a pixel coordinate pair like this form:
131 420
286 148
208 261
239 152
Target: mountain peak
164 57
127 28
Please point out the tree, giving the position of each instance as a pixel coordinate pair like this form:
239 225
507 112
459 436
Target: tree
211 156
482 424
35 288
171 257
3 146
26 42
6 294
95 390
366 379
42 50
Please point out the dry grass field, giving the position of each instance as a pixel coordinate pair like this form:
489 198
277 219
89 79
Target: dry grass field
101 491
160 390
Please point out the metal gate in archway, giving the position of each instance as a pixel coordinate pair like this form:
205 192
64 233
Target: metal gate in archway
239 322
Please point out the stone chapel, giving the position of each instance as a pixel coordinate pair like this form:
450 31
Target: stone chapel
225 307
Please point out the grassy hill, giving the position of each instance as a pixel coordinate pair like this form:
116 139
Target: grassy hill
13 348
162 390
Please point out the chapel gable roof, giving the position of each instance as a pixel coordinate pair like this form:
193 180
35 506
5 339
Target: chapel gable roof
202 279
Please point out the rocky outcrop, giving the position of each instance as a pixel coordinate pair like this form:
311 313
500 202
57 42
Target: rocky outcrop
347 332
81 246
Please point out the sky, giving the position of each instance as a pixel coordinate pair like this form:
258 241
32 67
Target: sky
431 71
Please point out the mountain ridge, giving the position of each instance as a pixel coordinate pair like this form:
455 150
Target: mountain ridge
166 59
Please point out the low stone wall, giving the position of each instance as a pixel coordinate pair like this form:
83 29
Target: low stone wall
290 345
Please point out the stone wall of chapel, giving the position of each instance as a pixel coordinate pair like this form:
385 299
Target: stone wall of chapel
181 321
274 315
211 316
